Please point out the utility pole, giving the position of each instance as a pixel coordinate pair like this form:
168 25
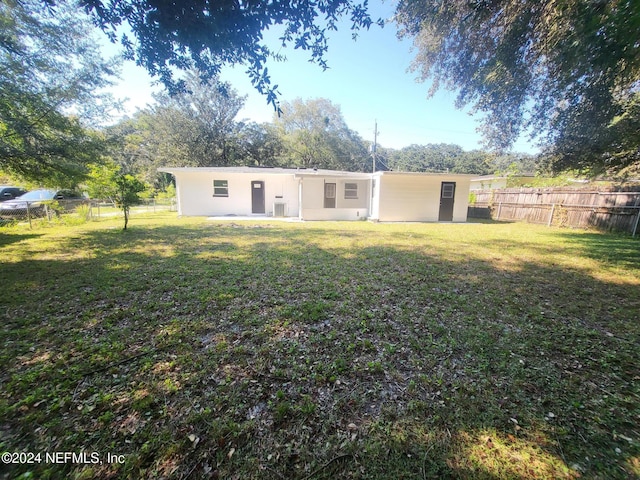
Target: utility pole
375 145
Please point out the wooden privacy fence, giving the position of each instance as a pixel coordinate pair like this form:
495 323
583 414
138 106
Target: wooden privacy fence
604 210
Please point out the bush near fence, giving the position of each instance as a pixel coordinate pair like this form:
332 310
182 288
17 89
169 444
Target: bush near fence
84 209
601 209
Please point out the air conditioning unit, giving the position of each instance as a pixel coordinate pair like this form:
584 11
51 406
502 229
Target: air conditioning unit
279 209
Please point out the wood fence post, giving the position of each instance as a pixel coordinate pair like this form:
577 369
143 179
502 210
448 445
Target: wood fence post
499 209
635 226
553 208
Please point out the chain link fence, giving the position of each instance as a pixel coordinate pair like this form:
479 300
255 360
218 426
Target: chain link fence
80 209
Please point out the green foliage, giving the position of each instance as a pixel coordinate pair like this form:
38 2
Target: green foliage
100 182
566 179
425 158
51 71
199 129
127 188
169 192
261 144
192 34
565 72
193 128
196 127
107 181
452 158
315 134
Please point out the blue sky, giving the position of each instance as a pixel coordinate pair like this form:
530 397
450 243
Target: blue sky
369 80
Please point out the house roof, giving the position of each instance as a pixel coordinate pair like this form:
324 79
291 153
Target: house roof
484 178
299 172
303 172
424 174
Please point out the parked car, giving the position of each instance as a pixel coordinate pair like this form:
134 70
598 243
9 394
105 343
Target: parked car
36 203
9 192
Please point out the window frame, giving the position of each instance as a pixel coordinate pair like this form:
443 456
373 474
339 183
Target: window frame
222 189
448 190
351 187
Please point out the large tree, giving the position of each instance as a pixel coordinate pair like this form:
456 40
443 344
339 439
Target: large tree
201 121
50 71
260 144
315 134
567 72
444 157
208 35
425 158
197 127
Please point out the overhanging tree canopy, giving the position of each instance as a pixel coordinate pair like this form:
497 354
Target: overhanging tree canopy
207 35
50 76
567 71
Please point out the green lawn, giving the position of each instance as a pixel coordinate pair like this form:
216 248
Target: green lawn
198 349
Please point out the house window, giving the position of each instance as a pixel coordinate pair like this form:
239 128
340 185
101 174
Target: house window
351 190
448 189
220 188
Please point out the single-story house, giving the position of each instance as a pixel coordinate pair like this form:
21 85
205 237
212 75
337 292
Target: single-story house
488 182
315 194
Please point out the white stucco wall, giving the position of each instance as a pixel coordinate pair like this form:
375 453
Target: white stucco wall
416 197
345 209
396 196
195 193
